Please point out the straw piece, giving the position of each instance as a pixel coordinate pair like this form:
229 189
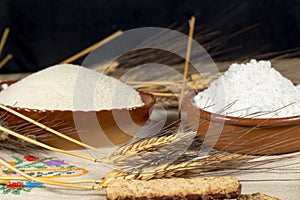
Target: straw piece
153 83
91 48
46 181
49 129
5 60
187 59
111 68
163 94
3 39
18 178
27 139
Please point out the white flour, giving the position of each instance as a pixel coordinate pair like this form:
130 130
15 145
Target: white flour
70 87
298 87
254 87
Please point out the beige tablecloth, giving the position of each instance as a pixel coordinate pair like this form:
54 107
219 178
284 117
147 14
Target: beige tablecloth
57 162
275 184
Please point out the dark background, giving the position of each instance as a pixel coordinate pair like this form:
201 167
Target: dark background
45 32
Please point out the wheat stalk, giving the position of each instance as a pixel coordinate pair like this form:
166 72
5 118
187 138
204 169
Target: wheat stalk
147 152
91 48
172 142
210 166
182 169
148 149
3 39
5 60
187 62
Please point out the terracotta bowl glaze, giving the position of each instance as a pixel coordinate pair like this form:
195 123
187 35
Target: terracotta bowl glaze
254 136
63 121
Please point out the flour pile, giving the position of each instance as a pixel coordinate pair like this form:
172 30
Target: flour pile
254 90
70 87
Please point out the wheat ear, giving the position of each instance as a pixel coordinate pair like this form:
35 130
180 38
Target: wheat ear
148 149
183 169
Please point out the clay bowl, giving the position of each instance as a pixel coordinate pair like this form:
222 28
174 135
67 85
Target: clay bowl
117 124
244 135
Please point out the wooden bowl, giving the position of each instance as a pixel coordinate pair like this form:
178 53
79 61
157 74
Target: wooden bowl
244 135
114 123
